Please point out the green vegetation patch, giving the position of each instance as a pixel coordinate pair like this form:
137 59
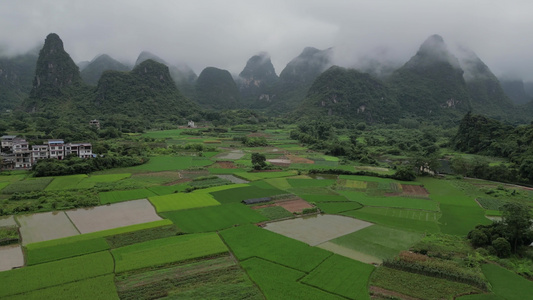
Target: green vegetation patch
163 134
343 276
139 236
337 207
324 198
167 250
101 287
38 255
214 218
182 201
491 203
68 182
95 235
216 278
460 213
121 196
243 193
168 189
310 182
407 219
275 212
419 286
379 241
398 202
49 274
9 235
27 185
279 282
107 177
279 183
169 163
249 241
3 185
253 176
507 284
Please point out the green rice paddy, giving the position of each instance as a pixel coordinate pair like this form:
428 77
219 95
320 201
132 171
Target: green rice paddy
182 201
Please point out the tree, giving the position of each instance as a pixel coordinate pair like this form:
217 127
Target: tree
258 161
502 247
517 219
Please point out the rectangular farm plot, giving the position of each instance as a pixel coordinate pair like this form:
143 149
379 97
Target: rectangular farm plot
392 201
121 196
182 201
318 229
337 207
101 287
65 182
55 273
310 182
167 250
45 226
249 240
27 185
11 257
235 195
408 219
341 275
112 216
169 163
279 282
324 198
213 218
380 241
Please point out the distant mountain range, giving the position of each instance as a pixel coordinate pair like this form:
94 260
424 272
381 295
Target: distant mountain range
435 83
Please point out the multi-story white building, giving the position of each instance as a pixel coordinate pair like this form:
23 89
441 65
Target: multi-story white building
56 149
7 142
24 157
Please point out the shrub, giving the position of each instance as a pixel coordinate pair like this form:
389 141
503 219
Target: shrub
502 247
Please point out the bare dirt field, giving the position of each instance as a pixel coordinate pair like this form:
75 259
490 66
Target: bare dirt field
225 165
11 257
233 154
317 229
45 226
299 160
112 216
279 162
295 205
414 190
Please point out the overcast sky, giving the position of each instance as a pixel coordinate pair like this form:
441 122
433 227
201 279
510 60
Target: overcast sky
225 34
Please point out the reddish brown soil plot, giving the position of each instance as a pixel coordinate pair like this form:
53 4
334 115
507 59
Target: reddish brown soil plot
295 205
225 165
414 190
299 160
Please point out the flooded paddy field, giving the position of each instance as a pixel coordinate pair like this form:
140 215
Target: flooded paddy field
112 216
318 229
11 257
45 226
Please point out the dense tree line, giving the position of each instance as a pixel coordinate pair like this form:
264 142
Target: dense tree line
75 165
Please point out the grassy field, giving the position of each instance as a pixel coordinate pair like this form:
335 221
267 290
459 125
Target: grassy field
279 183
310 182
65 182
120 196
337 207
253 176
3 185
279 282
379 241
275 212
169 163
238 194
182 201
343 276
398 202
214 218
55 273
167 250
507 284
37 255
460 213
101 287
215 278
27 185
249 241
324 198
168 189
413 220
419 286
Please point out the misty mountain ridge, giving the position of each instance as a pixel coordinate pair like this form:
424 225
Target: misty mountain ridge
93 71
16 79
257 78
216 89
516 91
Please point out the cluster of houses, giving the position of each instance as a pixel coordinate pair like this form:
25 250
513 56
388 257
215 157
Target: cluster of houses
17 154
